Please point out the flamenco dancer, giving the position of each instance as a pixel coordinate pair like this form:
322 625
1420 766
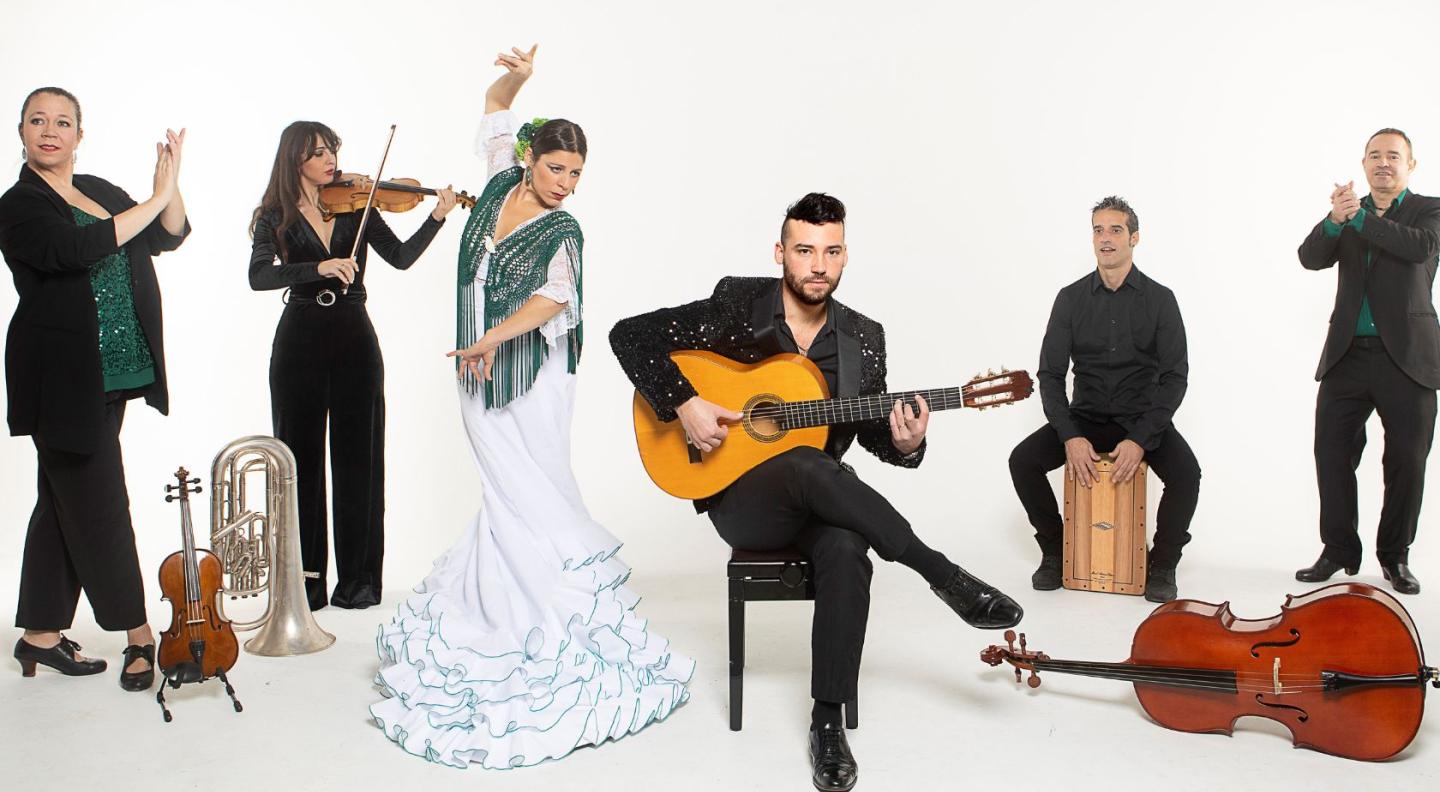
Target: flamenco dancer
325 365
522 644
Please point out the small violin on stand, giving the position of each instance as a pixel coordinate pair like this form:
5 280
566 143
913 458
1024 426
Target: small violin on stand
200 643
1340 667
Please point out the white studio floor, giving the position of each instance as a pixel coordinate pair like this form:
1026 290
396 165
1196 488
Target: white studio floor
931 712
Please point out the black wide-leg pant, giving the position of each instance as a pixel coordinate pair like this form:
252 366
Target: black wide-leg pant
806 499
80 537
325 367
1366 380
1173 461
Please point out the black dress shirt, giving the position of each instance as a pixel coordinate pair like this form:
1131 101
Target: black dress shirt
1130 362
824 349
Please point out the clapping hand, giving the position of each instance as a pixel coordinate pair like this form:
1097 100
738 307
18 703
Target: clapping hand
1344 204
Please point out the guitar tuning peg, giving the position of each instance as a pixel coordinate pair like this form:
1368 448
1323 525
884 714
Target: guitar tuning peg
990 372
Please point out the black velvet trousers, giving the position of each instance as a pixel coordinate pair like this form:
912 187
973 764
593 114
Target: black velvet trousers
1172 461
806 499
1365 381
80 537
325 367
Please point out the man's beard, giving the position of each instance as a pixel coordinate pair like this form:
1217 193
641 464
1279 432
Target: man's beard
797 288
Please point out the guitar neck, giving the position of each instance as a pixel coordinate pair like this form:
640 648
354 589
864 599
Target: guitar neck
1172 676
853 409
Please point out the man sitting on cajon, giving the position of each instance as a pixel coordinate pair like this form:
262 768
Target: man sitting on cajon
1124 333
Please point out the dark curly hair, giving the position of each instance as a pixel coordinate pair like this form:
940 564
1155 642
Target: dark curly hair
816 208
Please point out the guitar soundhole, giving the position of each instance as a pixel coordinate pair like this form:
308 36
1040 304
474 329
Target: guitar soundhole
763 418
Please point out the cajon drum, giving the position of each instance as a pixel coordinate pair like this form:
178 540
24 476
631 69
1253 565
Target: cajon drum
1105 533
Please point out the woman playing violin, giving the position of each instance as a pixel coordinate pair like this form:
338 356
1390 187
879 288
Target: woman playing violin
325 365
84 340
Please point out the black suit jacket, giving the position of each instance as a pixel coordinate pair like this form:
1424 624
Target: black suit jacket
55 385
737 323
1403 245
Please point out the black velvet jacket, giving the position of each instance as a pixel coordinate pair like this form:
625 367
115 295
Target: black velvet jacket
304 251
53 375
1403 245
738 321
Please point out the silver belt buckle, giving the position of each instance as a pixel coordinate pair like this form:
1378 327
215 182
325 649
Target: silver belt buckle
325 297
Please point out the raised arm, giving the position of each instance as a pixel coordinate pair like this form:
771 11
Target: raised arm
518 68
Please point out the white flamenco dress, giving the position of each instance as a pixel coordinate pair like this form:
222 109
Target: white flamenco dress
522 644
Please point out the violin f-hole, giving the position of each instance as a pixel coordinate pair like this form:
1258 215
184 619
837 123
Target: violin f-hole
1294 639
1301 714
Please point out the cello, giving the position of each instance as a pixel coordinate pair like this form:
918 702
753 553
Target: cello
200 643
1341 667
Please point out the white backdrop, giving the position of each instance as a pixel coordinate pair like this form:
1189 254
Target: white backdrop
968 142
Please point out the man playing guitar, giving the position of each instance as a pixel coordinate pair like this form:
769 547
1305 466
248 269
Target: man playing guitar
807 498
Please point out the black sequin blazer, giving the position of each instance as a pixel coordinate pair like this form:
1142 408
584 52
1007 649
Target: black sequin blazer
737 321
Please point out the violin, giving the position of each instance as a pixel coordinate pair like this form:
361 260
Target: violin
200 643
350 191
1340 667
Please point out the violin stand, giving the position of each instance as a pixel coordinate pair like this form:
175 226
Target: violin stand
184 676
1105 533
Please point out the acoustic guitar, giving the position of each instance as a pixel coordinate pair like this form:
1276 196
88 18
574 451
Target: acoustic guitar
784 403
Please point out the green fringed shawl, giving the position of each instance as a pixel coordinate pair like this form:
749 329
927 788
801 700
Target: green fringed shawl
518 267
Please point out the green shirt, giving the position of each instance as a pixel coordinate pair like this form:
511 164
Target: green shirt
1365 323
125 356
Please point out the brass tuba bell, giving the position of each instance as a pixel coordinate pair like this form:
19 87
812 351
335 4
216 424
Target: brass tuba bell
260 550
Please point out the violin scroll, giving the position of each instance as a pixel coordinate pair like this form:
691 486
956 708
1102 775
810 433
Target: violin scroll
183 477
1022 659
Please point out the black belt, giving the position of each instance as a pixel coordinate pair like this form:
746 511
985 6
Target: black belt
325 297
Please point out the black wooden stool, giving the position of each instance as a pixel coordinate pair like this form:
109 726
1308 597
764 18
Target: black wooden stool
764 577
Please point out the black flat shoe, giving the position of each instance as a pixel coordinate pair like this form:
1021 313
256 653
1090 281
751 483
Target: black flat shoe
977 602
1048 576
138 680
1160 584
355 597
834 768
63 657
1401 578
1321 570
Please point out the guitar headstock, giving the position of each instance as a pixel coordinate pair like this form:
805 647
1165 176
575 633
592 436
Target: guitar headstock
1021 659
993 389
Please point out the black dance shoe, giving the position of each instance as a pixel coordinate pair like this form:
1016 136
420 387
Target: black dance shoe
1321 570
1047 577
834 766
137 680
62 657
1401 578
978 603
357 596
1160 584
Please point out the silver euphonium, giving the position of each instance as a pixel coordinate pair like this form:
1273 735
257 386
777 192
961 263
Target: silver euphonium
260 550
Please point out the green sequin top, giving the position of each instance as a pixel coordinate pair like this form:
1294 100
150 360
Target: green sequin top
124 351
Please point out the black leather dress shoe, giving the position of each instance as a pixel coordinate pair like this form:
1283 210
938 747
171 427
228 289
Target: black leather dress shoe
1322 569
978 603
1160 584
63 657
357 596
834 766
1048 576
1400 578
135 681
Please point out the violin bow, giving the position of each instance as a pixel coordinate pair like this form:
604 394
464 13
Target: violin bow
369 201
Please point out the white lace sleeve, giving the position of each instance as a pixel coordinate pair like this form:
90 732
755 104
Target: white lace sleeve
560 287
495 141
